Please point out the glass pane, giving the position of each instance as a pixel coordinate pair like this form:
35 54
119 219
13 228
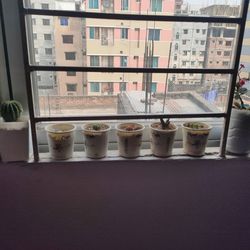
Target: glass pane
153 7
86 42
61 94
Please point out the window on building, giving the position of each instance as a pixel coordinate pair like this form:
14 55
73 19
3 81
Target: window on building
47 37
48 51
71 87
124 33
45 6
38 77
94 4
175 57
204 31
202 53
107 36
225 63
124 4
153 87
33 21
122 86
95 87
94 33
46 22
64 21
216 32
94 61
184 42
71 73
177 36
36 51
193 53
197 31
218 53
184 53
203 42
227 53
67 38
34 36
228 43
154 34
156 5
185 31
229 33
155 62
124 61
107 61
70 55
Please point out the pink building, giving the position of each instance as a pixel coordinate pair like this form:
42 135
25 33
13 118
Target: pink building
121 43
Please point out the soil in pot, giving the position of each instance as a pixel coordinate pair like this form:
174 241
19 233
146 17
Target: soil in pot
129 139
61 140
96 139
195 137
162 139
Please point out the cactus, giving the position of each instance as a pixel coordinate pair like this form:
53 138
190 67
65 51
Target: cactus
11 110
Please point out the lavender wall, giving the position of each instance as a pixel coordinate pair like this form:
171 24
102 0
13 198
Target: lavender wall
173 204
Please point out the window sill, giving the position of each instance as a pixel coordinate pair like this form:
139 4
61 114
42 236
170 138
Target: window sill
146 155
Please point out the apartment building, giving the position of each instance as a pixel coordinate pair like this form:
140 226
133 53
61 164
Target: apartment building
69 49
44 51
220 44
121 43
188 51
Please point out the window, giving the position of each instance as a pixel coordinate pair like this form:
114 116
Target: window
94 33
203 42
46 22
193 53
185 31
124 4
71 73
123 86
107 36
64 21
229 33
218 53
94 87
71 87
204 31
225 63
70 55
34 36
154 34
156 5
177 36
94 61
45 6
227 53
107 61
153 87
123 61
155 62
67 38
197 31
47 37
93 4
36 51
184 53
48 51
184 42
124 33
33 21
228 43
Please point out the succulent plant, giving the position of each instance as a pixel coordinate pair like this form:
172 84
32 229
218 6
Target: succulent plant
11 110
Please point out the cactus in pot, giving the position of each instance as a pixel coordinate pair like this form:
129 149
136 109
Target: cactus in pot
11 110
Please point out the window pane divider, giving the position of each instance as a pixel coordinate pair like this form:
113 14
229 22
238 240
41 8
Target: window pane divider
141 17
131 70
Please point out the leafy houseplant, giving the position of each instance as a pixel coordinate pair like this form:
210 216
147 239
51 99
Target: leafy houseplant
14 132
96 139
129 139
162 137
195 137
239 132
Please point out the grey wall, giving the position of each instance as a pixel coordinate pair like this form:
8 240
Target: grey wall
168 204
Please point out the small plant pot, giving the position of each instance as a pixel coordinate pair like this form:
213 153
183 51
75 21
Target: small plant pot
96 139
61 140
129 139
162 140
195 137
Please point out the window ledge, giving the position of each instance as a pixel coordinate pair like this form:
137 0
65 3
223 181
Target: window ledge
146 155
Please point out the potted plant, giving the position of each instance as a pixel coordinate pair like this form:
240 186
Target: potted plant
96 139
129 139
61 140
239 130
195 137
14 133
162 137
